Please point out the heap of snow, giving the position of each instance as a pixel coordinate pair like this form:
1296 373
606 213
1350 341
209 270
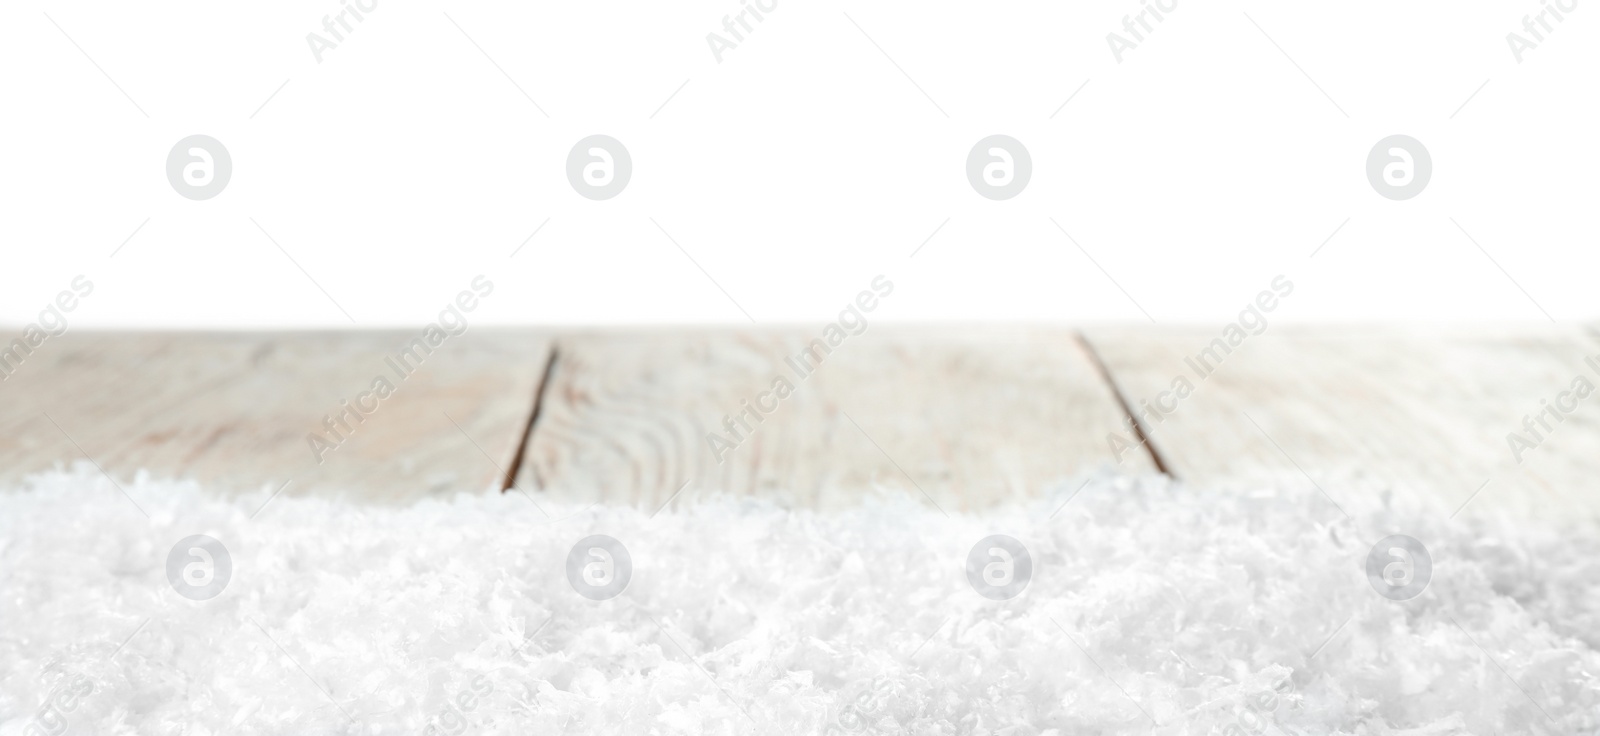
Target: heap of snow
1152 608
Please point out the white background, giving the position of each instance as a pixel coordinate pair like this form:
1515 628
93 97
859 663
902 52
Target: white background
805 163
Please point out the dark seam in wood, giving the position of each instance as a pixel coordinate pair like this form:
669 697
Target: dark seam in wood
533 419
1122 401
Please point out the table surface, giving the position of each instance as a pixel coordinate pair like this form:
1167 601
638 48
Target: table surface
963 417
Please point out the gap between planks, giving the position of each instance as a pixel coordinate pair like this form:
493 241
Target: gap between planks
969 415
1122 401
515 467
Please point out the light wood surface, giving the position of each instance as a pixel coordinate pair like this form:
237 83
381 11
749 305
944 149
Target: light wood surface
1356 411
962 417
235 410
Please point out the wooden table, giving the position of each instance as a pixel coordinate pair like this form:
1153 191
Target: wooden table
964 417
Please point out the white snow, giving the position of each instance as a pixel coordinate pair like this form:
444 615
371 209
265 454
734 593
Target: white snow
1151 603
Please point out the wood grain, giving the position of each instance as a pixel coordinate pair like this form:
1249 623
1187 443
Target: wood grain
963 418
234 410
968 416
1357 411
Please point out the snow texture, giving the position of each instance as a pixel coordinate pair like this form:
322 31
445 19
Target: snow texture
1153 608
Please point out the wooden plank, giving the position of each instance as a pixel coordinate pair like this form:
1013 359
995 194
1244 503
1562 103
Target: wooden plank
236 410
971 416
1361 410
